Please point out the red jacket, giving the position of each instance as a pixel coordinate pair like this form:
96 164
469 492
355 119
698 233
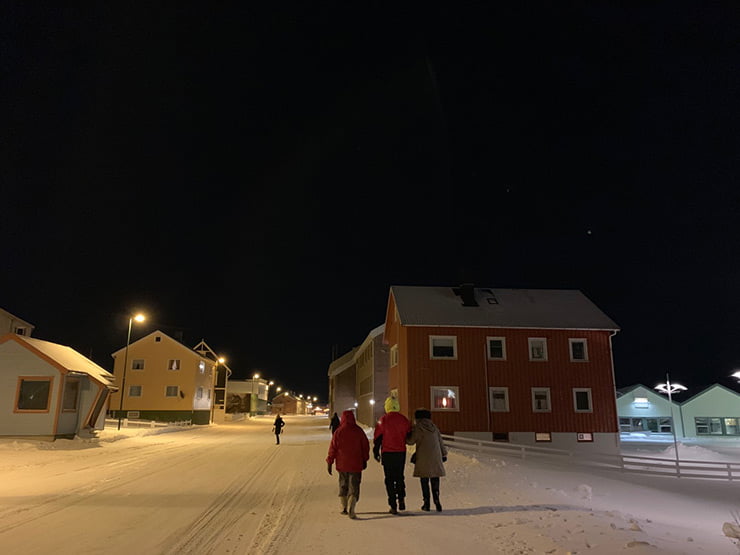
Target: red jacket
349 446
393 427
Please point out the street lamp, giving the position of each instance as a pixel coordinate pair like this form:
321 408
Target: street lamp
253 400
138 318
671 388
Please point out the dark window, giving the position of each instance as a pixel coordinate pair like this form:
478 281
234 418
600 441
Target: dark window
583 400
34 395
496 348
578 350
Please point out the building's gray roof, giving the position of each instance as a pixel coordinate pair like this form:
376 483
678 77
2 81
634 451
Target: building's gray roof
514 308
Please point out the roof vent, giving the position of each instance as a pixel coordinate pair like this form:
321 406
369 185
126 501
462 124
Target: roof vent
466 292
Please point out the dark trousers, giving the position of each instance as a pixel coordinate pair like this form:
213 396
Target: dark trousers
393 466
425 489
277 437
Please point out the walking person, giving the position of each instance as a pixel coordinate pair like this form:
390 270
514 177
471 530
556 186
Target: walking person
429 457
350 449
389 446
277 428
334 424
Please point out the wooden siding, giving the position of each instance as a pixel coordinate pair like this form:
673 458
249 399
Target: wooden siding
472 373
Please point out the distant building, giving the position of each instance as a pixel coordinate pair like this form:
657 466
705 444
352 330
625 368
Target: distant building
48 390
642 409
164 381
288 403
521 365
248 396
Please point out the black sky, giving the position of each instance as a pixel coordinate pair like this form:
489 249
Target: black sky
259 176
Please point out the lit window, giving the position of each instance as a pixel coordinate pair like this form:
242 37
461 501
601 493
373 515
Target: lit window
137 364
394 355
202 367
173 364
442 347
537 348
134 391
499 399
541 399
71 394
542 436
172 391
582 399
578 350
33 394
497 348
445 398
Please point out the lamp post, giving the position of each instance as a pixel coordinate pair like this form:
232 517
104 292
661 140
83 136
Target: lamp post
138 318
253 400
670 389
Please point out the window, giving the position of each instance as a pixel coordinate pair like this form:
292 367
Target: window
20 331
394 355
442 346
537 348
582 399
496 348
542 436
199 394
541 399
499 399
134 391
731 426
33 394
717 426
173 364
172 391
71 394
578 350
137 364
202 367
157 339
445 398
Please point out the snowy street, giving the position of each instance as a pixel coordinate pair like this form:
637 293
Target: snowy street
229 489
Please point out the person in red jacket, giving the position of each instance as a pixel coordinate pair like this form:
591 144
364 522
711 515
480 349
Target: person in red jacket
389 440
350 449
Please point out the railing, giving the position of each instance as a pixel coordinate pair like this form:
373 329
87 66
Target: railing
649 466
137 423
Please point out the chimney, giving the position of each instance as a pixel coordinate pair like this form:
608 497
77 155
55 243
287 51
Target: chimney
466 292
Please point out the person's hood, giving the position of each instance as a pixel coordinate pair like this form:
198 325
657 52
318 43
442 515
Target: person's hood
392 405
425 424
348 417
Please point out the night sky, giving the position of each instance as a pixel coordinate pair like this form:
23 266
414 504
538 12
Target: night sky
259 176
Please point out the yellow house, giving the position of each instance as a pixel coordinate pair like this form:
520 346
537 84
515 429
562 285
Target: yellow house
163 380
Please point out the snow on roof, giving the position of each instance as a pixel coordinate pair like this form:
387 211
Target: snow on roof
501 308
68 358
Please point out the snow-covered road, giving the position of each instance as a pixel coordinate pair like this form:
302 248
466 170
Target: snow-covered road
229 489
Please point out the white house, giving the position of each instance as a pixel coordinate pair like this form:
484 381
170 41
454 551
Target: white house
642 409
713 412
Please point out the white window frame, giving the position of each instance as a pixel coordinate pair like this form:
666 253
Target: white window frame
141 390
174 364
199 394
503 347
167 388
491 391
536 390
530 341
455 389
587 390
394 355
431 347
571 342
134 361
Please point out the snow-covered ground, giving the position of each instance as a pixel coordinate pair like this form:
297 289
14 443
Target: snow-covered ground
229 489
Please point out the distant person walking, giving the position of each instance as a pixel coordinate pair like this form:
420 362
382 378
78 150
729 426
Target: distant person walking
277 428
389 445
429 457
350 449
334 424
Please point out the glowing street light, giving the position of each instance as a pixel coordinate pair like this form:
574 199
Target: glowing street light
137 318
669 389
252 399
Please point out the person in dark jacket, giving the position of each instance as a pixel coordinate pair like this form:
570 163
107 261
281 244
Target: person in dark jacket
429 457
350 449
334 424
277 428
389 442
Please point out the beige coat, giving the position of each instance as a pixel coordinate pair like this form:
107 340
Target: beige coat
429 449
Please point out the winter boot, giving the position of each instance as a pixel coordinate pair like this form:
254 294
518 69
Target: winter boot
351 502
401 504
435 496
343 503
425 493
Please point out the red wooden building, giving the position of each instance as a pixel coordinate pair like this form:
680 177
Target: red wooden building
520 365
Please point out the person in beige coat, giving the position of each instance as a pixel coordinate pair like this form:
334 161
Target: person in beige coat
430 456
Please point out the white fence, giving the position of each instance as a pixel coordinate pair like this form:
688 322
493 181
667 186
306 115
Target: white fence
650 466
131 423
